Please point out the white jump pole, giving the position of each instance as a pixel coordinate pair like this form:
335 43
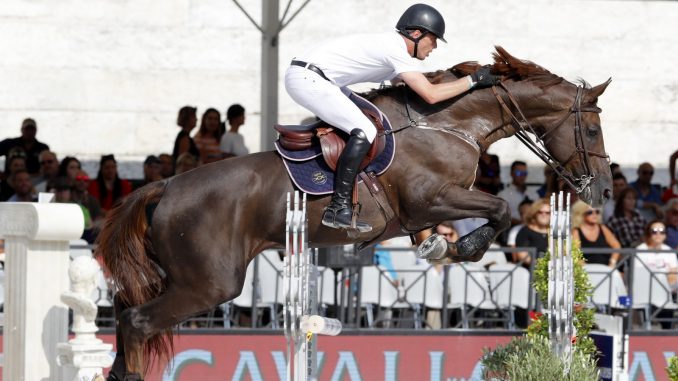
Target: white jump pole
302 323
37 239
561 280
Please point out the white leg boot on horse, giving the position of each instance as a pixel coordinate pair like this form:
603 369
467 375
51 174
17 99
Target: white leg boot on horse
339 213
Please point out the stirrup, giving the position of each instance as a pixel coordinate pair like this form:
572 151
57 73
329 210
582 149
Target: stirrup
332 222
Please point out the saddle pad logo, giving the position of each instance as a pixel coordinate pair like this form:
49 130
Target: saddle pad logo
318 177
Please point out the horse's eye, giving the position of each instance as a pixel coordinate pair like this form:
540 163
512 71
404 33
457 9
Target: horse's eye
592 132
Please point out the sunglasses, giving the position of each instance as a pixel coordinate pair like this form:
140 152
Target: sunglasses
591 212
647 172
520 173
658 231
543 212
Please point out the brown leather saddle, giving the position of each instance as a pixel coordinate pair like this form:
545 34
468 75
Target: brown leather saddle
331 140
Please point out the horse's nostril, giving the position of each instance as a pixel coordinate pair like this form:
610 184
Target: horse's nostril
607 194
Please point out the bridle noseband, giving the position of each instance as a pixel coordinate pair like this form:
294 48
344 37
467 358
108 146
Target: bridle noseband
539 146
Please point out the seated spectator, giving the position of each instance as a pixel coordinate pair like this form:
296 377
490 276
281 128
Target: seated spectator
151 172
23 187
80 195
550 184
489 178
28 144
671 222
166 165
649 195
615 168
672 190
591 233
232 143
618 185
523 209
108 188
517 191
62 187
12 165
184 143
626 223
49 170
208 137
535 232
654 236
185 163
69 167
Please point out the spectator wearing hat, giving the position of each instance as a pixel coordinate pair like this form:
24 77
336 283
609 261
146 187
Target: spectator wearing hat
232 143
28 144
108 187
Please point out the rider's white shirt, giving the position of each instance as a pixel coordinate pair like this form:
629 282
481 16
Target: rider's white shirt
362 58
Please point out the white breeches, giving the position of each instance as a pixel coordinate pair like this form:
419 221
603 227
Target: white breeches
327 101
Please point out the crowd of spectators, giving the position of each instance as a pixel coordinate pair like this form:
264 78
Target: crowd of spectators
31 167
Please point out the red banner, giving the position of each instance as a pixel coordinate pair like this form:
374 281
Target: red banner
443 357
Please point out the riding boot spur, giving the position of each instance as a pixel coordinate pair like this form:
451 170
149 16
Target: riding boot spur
339 213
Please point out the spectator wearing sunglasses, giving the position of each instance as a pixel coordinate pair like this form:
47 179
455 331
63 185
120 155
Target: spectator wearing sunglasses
649 195
591 233
49 170
28 144
655 236
517 192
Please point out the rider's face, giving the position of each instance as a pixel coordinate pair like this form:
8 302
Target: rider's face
426 45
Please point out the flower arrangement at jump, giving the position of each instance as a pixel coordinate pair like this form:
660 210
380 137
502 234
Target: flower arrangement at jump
530 357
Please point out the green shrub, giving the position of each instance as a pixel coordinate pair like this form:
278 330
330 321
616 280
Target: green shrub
672 369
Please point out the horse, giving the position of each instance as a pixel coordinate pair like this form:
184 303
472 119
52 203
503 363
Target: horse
180 246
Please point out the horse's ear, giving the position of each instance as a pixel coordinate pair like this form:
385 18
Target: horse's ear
593 94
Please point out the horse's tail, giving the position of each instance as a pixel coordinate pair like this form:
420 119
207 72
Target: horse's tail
126 249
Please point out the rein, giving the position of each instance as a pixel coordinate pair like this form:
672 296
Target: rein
539 146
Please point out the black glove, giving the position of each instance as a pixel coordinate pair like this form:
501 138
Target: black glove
483 78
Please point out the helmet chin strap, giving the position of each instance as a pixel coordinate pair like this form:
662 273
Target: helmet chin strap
415 40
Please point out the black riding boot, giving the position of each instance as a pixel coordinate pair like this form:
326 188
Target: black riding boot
340 211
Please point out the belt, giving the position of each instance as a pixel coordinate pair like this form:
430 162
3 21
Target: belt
310 67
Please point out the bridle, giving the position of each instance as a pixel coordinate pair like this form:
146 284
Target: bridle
579 184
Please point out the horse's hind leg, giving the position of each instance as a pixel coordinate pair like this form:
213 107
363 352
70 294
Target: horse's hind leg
118 369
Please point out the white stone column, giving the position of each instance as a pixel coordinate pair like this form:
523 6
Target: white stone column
36 267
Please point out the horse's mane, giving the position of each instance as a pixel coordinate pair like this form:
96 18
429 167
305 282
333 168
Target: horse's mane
505 65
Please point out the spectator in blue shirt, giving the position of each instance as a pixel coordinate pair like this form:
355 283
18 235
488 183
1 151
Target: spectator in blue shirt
649 195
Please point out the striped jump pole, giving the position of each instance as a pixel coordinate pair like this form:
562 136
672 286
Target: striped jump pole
302 323
560 308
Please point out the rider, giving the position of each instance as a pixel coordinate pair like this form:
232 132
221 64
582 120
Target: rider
318 80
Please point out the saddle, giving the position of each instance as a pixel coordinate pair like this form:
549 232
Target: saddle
331 140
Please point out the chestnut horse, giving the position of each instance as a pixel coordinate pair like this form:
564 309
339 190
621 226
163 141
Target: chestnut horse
178 247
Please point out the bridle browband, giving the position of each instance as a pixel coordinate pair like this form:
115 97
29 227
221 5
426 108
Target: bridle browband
539 146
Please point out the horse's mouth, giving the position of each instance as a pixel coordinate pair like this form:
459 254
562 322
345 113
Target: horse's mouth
586 195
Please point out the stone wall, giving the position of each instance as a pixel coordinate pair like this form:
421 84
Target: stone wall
108 76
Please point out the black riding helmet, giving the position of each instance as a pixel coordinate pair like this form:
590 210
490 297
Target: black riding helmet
423 17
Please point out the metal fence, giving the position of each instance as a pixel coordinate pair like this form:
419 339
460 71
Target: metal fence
405 293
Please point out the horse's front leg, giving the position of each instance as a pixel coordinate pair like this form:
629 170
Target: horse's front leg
458 203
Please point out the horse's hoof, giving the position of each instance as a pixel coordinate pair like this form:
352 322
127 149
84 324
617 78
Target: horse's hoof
470 244
433 248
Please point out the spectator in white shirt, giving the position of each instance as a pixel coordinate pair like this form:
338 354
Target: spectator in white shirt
517 191
655 235
232 143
